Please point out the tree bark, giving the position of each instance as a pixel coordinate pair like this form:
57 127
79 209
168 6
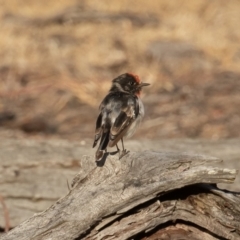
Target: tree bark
142 195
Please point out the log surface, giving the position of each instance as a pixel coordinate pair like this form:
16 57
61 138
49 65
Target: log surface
139 193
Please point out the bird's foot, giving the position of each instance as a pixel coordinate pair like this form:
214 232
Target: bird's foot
123 153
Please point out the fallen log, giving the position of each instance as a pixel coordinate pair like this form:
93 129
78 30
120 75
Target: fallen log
142 195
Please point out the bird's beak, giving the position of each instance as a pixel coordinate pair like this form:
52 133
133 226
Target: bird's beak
143 84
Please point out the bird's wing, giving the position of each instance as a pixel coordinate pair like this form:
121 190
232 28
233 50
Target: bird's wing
102 119
98 130
123 121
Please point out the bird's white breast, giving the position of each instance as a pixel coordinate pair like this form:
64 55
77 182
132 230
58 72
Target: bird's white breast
137 121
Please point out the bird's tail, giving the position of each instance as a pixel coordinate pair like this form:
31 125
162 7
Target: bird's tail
103 143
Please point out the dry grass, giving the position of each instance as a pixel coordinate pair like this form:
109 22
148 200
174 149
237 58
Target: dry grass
80 59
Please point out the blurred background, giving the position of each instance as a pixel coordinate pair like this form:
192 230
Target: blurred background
57 60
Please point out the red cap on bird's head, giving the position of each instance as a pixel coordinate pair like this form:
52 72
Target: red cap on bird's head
140 84
136 77
128 82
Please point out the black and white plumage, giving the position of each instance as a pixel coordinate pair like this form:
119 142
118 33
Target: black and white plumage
121 111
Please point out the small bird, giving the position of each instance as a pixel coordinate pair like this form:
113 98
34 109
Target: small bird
121 111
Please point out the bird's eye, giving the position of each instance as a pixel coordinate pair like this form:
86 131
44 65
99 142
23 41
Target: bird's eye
132 83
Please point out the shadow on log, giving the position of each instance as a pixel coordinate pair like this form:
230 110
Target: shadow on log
145 195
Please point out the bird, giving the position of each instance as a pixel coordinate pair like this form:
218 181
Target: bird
121 112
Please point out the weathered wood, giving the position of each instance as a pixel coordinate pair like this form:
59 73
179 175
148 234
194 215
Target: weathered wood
34 173
137 194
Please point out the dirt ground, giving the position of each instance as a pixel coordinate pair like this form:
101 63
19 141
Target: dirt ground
58 59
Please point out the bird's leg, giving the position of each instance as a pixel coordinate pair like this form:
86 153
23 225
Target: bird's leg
118 150
124 151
